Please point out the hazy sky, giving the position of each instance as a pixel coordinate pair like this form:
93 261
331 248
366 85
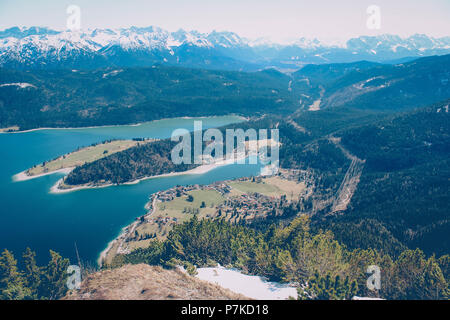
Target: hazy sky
276 19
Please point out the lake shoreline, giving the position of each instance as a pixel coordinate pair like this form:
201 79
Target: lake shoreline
120 125
202 169
41 210
69 166
125 232
23 176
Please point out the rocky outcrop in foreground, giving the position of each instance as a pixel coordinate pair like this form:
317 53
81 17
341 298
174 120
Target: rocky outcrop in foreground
144 282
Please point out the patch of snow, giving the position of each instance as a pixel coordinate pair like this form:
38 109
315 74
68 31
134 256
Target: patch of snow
21 85
250 286
111 74
315 106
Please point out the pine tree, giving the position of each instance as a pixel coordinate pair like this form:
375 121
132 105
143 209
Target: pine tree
328 288
12 284
434 286
32 273
53 285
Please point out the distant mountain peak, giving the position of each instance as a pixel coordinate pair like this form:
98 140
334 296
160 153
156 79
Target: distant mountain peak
41 47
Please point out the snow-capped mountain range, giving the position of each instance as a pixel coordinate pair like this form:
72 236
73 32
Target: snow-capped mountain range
37 47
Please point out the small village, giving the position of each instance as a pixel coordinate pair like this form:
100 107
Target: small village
262 196
236 205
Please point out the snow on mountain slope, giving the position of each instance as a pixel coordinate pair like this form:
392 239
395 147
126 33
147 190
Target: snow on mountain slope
391 43
42 47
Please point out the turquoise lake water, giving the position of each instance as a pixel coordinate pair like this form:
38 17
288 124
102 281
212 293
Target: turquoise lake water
32 217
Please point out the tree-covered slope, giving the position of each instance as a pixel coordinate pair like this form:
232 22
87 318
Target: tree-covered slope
62 98
406 179
404 182
392 87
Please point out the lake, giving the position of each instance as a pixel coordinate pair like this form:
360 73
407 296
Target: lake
32 217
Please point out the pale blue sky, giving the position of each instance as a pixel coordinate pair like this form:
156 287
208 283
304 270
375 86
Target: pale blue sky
278 19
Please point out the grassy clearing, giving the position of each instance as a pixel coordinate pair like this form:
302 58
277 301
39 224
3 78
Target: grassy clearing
176 207
286 187
259 187
272 187
209 197
82 156
181 210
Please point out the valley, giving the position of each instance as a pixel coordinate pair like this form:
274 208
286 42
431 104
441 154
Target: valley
284 150
359 166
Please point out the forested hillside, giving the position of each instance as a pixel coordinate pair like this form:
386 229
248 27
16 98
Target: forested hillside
402 194
375 87
406 178
71 98
418 83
